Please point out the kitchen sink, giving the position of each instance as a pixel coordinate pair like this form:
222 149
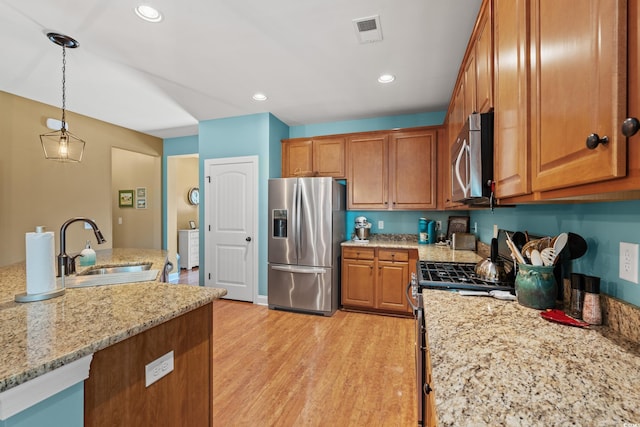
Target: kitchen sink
116 269
112 275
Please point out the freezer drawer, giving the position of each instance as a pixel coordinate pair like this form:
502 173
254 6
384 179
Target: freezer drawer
299 288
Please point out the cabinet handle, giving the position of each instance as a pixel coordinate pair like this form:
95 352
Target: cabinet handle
594 140
630 126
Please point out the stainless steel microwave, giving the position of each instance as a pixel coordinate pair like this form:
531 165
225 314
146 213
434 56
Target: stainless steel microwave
472 161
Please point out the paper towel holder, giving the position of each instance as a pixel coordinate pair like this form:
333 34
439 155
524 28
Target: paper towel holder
25 297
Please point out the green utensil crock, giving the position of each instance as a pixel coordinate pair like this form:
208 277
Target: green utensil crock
536 286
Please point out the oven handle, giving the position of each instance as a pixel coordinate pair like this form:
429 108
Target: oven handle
410 286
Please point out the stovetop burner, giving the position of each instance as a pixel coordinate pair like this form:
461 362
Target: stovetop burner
455 275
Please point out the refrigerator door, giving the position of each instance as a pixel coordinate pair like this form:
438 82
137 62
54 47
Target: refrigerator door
302 288
314 222
282 213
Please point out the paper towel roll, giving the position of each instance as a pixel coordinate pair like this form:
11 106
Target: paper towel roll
41 266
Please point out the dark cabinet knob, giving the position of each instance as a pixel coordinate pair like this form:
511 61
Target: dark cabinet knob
248 239
630 126
594 140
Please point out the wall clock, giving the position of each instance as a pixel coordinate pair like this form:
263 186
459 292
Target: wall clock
194 196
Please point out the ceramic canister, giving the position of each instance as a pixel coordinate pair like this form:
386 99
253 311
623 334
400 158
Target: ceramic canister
536 286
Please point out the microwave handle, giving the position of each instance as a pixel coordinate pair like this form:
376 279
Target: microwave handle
458 177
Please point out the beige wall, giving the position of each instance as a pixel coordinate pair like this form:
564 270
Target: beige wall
35 191
186 178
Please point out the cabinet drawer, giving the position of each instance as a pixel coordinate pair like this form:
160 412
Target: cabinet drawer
393 255
358 253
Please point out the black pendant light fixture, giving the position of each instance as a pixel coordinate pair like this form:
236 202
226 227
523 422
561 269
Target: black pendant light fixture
62 145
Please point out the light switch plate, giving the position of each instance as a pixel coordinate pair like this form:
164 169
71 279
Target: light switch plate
157 369
629 261
380 225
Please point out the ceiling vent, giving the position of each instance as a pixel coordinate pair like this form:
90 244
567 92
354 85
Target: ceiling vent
368 29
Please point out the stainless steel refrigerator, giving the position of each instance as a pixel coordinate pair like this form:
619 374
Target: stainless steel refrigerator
306 227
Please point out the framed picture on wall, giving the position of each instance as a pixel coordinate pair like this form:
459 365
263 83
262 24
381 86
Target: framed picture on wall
125 198
141 203
141 193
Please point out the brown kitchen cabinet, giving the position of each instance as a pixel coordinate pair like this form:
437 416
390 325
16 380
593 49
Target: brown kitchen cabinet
547 106
392 170
115 392
375 279
320 156
512 157
578 77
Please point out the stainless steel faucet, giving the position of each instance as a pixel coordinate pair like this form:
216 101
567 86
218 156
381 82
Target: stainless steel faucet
67 263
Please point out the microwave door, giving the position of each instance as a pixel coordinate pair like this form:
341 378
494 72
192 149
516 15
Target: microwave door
461 171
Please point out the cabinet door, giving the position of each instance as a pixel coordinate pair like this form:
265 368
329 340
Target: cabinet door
367 175
469 87
511 128
484 60
578 88
297 158
358 283
329 157
392 281
412 168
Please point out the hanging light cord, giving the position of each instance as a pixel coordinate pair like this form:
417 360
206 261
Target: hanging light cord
64 85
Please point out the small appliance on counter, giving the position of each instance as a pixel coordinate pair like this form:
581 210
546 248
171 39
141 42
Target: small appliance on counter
362 229
426 231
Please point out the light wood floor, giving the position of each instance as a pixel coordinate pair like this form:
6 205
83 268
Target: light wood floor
275 368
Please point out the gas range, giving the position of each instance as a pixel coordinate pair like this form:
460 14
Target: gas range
455 275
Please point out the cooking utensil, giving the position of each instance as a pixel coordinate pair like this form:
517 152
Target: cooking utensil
559 244
548 256
528 247
515 252
519 239
536 257
577 245
491 269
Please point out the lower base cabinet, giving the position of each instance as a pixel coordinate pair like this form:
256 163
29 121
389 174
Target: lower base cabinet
375 279
115 393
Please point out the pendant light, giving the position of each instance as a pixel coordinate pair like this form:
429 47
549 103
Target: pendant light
62 145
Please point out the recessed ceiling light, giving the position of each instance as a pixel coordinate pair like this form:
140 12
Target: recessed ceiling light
386 78
259 97
148 13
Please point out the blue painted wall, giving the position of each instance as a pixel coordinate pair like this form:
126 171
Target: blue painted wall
62 409
603 226
259 135
365 125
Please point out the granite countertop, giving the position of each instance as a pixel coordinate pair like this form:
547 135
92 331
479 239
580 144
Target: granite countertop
38 337
434 252
499 363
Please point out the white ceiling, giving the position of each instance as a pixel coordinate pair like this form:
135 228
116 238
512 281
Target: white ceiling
207 58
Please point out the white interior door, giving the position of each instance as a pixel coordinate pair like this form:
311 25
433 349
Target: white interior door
230 232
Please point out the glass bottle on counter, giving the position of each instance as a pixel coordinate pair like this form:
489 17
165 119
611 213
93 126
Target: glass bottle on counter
577 295
591 310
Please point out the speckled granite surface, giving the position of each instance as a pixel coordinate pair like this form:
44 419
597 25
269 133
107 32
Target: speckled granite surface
38 337
425 252
499 363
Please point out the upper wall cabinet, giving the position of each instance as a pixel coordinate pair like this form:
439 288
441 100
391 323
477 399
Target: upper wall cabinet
392 170
321 156
578 91
512 157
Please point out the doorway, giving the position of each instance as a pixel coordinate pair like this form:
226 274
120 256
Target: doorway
231 226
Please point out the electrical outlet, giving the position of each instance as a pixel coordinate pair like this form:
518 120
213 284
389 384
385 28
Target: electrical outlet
157 369
475 227
629 262
438 225
495 231
380 225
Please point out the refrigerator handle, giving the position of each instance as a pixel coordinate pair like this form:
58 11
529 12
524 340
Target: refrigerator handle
296 269
298 215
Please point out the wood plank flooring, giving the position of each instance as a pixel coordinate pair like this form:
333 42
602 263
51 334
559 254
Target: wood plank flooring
276 368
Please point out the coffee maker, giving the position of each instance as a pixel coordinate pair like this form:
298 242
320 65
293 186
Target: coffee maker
363 228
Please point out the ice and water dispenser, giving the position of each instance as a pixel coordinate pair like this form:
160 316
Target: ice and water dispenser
280 223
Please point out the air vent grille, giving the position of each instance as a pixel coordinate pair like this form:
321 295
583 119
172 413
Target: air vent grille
368 29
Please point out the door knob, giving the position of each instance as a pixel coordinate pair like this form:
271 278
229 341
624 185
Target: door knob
594 140
630 126
248 239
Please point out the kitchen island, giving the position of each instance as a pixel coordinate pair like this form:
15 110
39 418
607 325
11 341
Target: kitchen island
38 338
498 363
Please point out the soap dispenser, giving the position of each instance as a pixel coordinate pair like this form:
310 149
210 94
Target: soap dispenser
87 256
